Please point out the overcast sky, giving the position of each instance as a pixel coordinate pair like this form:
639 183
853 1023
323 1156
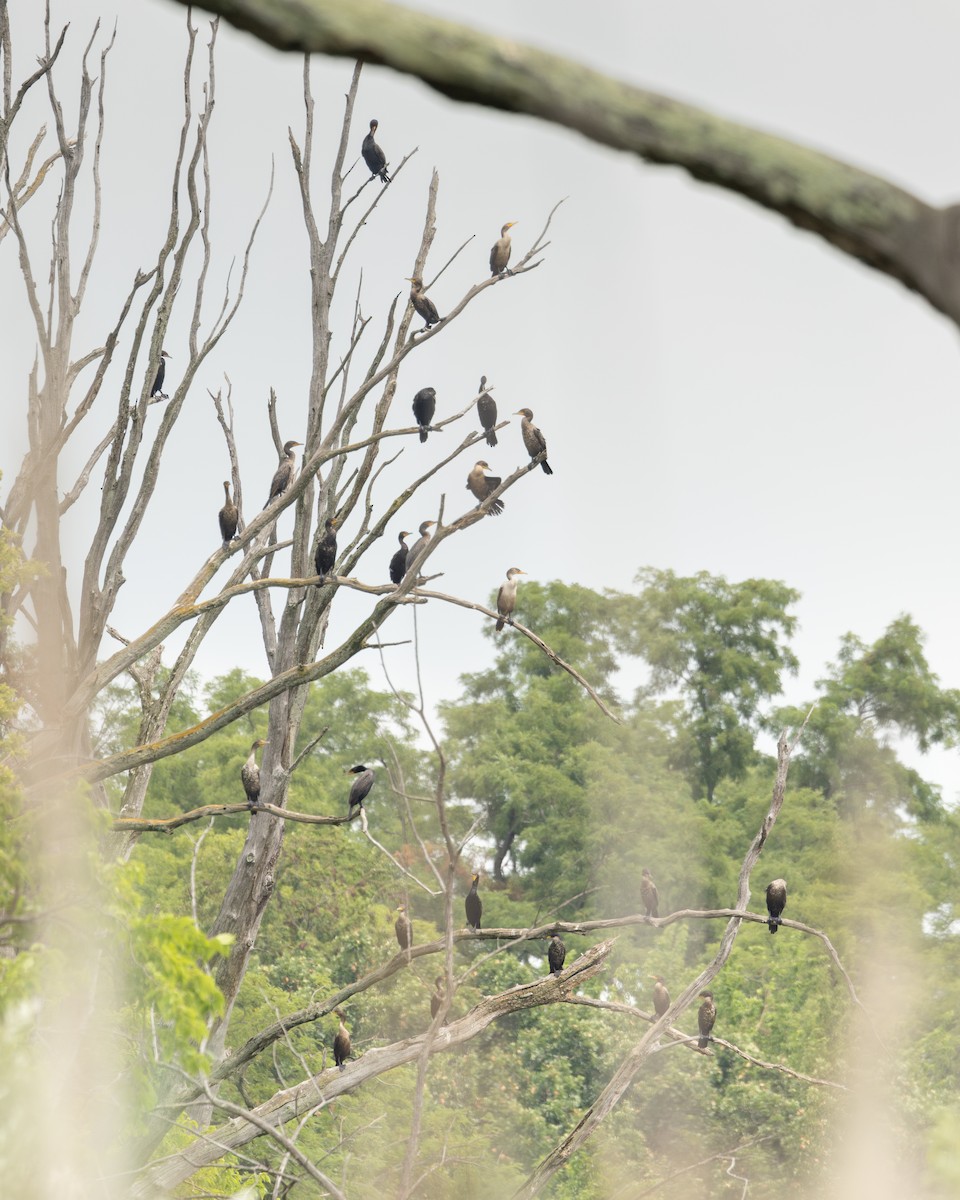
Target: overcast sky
719 391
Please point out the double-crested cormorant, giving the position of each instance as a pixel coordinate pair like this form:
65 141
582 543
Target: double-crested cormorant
507 597
533 439
403 928
419 547
706 1016
482 484
229 516
439 995
250 774
500 250
776 902
360 788
556 953
649 895
373 156
473 904
326 554
398 564
156 392
422 303
487 412
661 997
341 1043
424 406
284 473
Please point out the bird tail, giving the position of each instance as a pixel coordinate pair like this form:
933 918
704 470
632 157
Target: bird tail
320 581
500 624
496 508
384 177
772 924
547 469
491 438
424 429
701 1043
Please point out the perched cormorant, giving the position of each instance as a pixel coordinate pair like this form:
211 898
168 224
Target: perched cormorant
556 953
424 406
776 902
326 554
283 476
507 597
487 412
482 485
439 995
661 997
229 516
706 1016
422 303
533 439
341 1043
649 895
398 564
403 928
500 250
419 547
156 392
360 788
373 156
473 904
250 775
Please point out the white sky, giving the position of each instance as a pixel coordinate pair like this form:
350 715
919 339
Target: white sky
719 391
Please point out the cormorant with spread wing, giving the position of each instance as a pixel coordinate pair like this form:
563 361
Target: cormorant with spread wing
373 156
156 392
776 903
398 564
424 406
487 412
706 1016
326 554
473 904
649 894
507 597
556 953
229 516
482 484
533 439
422 303
283 476
500 250
250 775
360 788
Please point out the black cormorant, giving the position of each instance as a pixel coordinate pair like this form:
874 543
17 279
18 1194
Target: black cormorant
661 997
403 928
341 1043
500 250
373 156
326 554
533 439
229 516
156 392
487 412
422 303
250 774
360 788
507 597
424 406
473 904
706 1016
556 953
398 564
776 902
649 895
482 484
283 476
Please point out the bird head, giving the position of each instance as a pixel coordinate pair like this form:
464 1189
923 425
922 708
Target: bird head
331 523
415 280
505 230
404 533
706 995
524 412
164 354
373 126
288 446
354 770
475 878
425 525
515 571
258 744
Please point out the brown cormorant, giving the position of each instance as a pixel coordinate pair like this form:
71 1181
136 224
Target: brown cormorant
403 928
360 788
706 1016
482 484
661 997
250 775
326 554
422 303
398 564
419 547
556 953
500 250
284 473
156 392
229 516
424 406
473 904
439 995
373 156
533 439
507 597
649 895
341 1043
776 903
487 412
